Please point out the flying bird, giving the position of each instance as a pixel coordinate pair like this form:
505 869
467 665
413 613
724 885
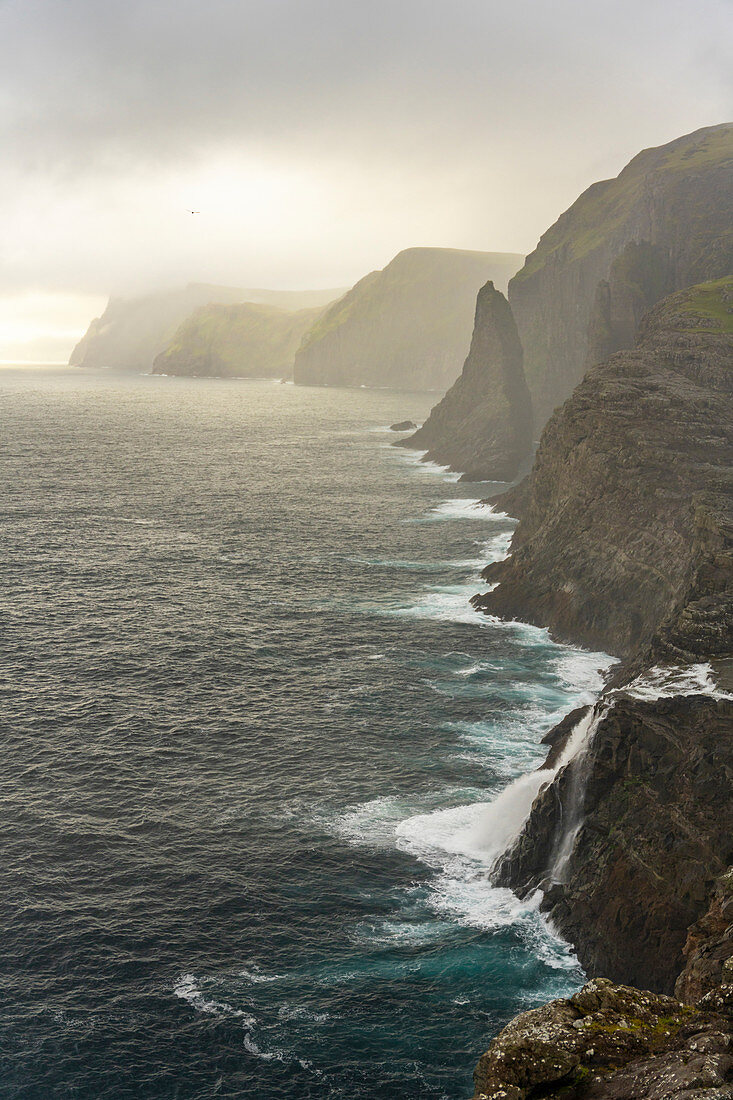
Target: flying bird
194 211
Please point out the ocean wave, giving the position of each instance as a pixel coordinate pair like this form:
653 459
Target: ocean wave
666 682
462 508
187 988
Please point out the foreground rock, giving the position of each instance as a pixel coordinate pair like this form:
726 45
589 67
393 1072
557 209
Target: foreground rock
406 327
610 1042
483 425
132 331
403 426
625 533
663 224
237 341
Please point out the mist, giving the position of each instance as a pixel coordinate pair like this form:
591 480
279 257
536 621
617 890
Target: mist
316 139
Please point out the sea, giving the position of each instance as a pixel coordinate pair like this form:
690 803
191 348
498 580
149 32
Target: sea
253 734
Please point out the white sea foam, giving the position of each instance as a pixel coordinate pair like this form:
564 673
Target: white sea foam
461 508
188 989
671 680
257 976
373 823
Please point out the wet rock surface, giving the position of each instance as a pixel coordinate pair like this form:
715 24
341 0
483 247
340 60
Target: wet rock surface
656 831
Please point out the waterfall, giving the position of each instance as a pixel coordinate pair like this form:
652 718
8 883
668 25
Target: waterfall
504 819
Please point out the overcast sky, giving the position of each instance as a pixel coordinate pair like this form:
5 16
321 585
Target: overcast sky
317 137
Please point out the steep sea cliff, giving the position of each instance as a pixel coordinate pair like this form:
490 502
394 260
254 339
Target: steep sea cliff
625 540
407 326
663 224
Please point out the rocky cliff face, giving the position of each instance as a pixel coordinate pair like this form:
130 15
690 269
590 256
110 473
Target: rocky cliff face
581 293
236 341
625 535
406 327
483 425
652 801
132 331
625 542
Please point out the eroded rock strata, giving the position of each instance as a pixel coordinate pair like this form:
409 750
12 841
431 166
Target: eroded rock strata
625 543
624 540
582 291
483 425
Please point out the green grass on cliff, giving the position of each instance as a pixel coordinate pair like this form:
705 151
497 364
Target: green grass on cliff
604 207
714 302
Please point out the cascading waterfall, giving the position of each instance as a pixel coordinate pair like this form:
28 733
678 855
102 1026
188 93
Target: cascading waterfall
505 818
507 815
571 809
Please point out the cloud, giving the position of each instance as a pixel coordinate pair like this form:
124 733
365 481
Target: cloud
320 136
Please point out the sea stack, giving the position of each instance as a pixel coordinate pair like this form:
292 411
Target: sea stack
406 327
483 425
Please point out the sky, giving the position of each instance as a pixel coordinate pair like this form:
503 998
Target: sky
317 138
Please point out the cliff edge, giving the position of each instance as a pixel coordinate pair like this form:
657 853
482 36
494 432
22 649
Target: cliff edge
625 543
665 223
625 534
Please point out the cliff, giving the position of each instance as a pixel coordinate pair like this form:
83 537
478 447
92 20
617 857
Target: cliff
236 341
625 533
483 425
625 543
665 223
132 331
405 327
653 794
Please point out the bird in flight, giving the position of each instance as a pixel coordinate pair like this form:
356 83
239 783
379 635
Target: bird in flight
194 211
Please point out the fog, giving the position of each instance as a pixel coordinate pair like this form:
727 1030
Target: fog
315 138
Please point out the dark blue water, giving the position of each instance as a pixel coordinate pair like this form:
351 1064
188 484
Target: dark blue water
251 734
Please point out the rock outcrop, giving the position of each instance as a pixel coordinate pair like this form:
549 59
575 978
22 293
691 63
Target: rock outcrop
610 1042
582 291
406 327
625 533
236 341
652 802
132 331
483 425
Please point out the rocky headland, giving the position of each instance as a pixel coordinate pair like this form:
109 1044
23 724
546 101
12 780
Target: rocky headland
483 425
405 327
133 331
624 535
246 340
665 223
625 544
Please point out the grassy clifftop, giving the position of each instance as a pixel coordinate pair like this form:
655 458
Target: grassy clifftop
665 223
246 340
604 207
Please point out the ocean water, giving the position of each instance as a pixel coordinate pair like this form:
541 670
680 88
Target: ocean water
252 732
